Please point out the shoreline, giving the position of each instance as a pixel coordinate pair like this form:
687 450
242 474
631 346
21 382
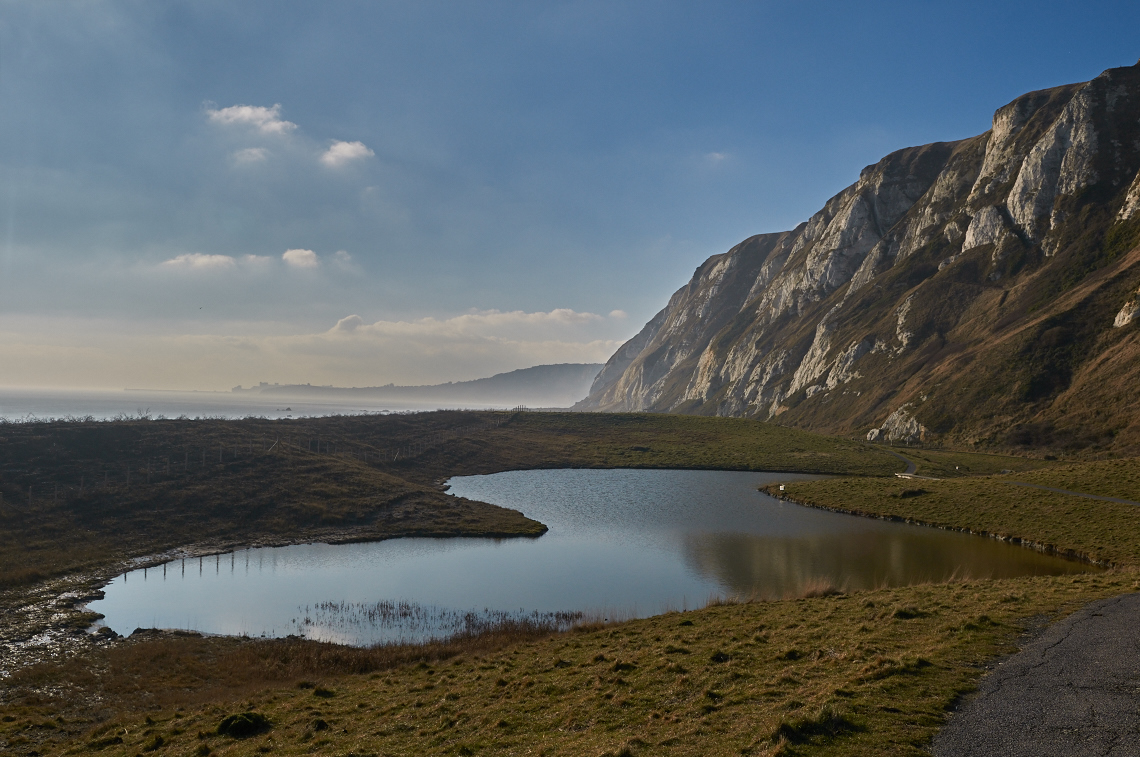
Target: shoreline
1048 549
88 586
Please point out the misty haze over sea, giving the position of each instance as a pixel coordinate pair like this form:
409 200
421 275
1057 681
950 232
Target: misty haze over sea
28 404
541 386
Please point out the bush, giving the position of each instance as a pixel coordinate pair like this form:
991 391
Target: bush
244 724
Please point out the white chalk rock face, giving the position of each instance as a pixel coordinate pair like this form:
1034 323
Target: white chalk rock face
1131 205
836 317
1060 163
901 426
1128 313
987 227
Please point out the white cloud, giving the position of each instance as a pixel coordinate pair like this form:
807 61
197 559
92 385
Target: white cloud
200 261
340 153
251 155
619 314
301 258
342 256
349 323
480 325
351 353
257 259
714 158
265 120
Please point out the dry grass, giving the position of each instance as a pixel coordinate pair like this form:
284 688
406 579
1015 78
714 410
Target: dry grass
271 486
953 464
826 673
1105 532
871 673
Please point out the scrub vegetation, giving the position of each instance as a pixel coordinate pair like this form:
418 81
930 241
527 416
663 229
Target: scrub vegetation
871 673
862 673
1075 526
81 494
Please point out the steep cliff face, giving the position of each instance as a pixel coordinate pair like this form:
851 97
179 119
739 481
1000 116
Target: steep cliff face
959 290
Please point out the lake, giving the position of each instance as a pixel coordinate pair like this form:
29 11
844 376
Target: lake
621 544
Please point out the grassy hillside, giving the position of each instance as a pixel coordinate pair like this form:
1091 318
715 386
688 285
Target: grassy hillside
867 673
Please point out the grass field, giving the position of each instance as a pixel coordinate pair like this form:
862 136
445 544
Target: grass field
866 673
78 495
1105 532
951 464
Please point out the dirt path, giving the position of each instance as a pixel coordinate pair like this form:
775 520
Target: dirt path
1072 690
1075 494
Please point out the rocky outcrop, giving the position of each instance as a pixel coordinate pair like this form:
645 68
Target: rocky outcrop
900 426
1129 312
909 275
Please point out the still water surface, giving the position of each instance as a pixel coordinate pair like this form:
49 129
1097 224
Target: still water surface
621 543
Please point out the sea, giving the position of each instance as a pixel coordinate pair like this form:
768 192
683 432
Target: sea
23 405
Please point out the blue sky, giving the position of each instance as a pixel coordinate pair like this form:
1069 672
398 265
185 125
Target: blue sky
465 188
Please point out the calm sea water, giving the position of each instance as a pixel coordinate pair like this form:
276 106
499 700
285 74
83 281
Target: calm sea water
25 404
622 543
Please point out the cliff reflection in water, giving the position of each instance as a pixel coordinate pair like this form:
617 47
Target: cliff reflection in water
765 567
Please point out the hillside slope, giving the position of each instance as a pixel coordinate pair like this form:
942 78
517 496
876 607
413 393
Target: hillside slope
982 291
557 385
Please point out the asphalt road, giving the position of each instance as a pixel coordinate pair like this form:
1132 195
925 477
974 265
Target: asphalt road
1071 691
911 466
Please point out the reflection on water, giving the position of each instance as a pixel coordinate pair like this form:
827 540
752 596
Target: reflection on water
409 621
750 566
621 542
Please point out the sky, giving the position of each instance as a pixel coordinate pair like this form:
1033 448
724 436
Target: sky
200 194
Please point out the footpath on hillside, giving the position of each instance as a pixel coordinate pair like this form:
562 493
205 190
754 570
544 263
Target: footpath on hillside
1072 690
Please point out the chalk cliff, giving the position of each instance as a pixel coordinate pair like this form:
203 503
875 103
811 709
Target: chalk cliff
982 290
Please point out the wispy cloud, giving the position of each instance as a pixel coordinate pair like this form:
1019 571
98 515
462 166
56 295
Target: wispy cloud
251 155
301 258
483 325
351 353
265 120
200 261
339 153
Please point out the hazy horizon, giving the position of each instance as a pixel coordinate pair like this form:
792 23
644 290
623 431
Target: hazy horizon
200 195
